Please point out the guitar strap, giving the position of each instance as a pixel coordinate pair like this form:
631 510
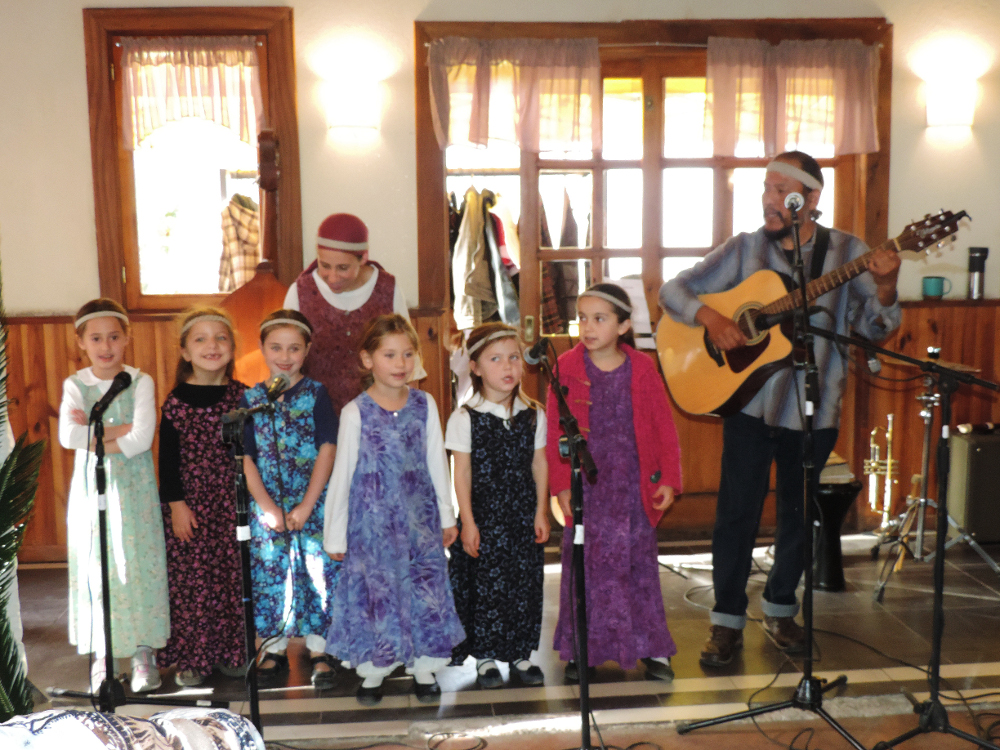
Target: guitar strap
819 252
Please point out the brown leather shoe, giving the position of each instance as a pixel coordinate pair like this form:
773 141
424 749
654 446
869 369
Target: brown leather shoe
721 646
788 635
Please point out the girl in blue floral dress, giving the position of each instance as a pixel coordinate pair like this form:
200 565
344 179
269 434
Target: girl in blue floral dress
389 517
289 457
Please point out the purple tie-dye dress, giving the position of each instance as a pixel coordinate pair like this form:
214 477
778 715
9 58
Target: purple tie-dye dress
625 616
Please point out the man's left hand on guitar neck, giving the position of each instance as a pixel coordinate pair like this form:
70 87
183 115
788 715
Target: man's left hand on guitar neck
884 268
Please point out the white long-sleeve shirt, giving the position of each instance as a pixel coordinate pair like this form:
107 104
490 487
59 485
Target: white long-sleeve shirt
348 301
140 438
339 490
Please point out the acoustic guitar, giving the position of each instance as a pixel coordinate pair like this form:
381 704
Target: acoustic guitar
705 380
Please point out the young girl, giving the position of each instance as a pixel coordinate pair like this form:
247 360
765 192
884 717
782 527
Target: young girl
138 580
498 444
199 504
638 461
289 457
388 502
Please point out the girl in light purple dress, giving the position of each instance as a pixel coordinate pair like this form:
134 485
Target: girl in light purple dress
389 517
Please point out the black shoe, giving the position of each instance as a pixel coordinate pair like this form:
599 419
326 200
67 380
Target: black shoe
572 674
323 679
657 670
272 673
369 696
489 679
533 675
721 647
427 693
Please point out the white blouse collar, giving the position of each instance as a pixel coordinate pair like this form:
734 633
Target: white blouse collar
88 377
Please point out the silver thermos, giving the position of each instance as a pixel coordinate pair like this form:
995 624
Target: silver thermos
977 271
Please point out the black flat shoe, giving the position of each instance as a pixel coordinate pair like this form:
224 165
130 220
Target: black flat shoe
280 665
427 693
323 679
533 675
490 679
572 674
370 696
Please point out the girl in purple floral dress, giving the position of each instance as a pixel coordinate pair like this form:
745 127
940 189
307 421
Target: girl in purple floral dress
199 504
289 457
389 517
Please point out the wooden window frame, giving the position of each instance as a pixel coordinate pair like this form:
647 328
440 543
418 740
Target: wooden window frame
114 194
862 184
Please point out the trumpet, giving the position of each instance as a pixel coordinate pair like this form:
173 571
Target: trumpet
876 466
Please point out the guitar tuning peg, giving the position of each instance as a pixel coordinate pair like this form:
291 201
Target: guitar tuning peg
954 238
927 216
940 245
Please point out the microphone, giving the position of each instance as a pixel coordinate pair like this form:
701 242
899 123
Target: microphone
121 381
762 322
278 385
794 201
534 355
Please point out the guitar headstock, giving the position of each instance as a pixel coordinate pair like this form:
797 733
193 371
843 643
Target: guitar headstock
934 229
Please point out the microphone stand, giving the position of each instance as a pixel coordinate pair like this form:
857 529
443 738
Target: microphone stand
572 444
111 694
809 693
933 715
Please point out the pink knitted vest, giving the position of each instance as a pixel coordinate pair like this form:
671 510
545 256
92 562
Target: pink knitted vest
333 358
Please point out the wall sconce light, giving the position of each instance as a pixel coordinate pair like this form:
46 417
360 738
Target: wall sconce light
950 67
353 104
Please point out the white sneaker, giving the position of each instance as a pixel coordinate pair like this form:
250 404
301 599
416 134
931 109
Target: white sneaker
145 675
188 678
97 675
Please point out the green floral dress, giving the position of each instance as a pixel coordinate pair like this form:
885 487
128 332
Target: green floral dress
136 551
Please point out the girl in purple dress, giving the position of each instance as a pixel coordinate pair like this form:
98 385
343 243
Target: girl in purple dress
638 462
388 518
199 504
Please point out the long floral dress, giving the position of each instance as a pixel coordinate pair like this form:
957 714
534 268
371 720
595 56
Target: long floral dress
205 576
293 578
136 557
393 602
498 595
625 615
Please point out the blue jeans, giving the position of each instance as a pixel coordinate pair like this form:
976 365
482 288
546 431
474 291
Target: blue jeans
748 448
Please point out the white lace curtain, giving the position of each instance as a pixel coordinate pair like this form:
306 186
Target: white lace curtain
819 96
213 78
538 93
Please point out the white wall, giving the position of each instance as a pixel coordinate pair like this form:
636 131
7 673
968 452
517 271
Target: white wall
47 231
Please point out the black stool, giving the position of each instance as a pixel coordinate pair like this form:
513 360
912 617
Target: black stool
834 501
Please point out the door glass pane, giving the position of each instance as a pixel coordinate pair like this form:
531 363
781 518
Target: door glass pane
566 208
748 185
616 269
687 206
622 118
674 265
186 174
623 208
687 128
562 281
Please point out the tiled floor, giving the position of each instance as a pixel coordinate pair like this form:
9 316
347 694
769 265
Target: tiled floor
867 640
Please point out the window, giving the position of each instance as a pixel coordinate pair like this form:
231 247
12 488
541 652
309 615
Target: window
140 233
654 200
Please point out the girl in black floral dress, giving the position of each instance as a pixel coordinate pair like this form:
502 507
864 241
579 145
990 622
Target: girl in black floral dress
498 443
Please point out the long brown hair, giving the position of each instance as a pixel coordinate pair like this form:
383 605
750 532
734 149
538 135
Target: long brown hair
481 333
184 368
376 330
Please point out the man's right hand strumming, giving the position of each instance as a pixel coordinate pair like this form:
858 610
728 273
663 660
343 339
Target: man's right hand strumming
722 331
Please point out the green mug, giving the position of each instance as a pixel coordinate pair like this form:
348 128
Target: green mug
934 287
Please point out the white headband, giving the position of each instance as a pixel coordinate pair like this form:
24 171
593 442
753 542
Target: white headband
608 298
349 247
82 320
790 170
504 334
209 317
285 322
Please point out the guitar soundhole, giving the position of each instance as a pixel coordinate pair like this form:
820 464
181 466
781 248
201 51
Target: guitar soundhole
745 318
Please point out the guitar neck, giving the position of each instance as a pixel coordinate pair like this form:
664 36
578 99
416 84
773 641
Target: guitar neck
826 283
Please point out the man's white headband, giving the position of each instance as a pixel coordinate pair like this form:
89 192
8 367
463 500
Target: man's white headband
608 298
208 317
790 170
82 320
504 334
285 322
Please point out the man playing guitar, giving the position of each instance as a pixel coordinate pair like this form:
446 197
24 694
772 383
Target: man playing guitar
769 426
